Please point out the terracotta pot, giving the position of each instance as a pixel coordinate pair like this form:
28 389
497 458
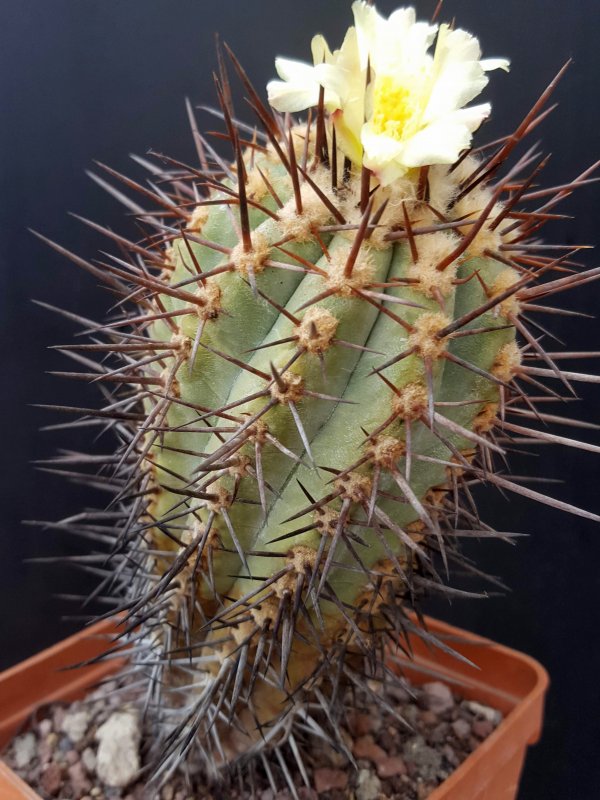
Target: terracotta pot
510 681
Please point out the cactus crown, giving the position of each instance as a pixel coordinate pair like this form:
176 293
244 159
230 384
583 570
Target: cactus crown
326 352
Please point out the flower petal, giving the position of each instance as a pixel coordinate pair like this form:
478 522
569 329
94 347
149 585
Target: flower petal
443 141
299 88
366 21
291 97
348 137
488 64
320 50
379 148
459 75
289 69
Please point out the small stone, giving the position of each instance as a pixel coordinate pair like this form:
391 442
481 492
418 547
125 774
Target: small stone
24 750
79 780
45 749
118 756
365 747
58 714
361 724
88 758
411 714
368 785
96 791
398 693
450 755
428 760
44 728
484 711
429 717
482 728
167 793
424 790
75 725
71 756
304 793
439 733
51 779
390 767
328 779
438 697
387 742
267 795
461 728
52 739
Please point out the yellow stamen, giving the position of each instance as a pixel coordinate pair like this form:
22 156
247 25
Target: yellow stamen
394 107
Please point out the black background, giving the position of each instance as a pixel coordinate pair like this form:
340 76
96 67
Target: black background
98 79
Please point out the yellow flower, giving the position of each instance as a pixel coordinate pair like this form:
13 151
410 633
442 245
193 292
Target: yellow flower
415 102
411 112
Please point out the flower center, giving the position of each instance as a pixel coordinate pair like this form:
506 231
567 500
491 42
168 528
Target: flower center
394 107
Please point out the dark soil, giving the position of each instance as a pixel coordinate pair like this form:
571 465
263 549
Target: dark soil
65 753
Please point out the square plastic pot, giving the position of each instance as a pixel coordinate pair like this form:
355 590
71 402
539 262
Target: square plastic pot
507 680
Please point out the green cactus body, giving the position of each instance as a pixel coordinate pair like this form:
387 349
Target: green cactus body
319 416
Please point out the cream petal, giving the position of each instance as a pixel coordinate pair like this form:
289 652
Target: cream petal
344 82
348 137
443 141
460 46
405 51
333 78
388 173
473 116
299 88
489 64
289 69
291 97
438 143
367 22
320 50
348 59
379 148
402 19
383 155
456 86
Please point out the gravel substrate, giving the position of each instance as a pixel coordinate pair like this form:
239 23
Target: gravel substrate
92 750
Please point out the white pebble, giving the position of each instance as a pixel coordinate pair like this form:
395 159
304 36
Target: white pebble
439 697
368 785
24 748
118 756
75 725
484 711
88 758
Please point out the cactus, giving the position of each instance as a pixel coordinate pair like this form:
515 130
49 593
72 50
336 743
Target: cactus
322 359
